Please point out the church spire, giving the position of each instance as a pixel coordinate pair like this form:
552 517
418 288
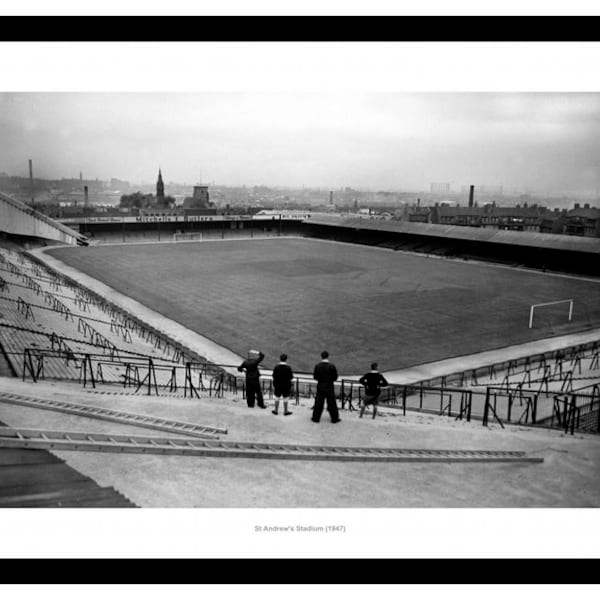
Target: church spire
160 186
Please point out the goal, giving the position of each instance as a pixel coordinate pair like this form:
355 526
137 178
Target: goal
534 306
179 237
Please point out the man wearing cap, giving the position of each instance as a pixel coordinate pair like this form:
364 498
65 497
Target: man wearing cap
250 365
325 373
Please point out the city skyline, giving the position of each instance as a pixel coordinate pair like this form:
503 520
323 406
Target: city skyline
541 143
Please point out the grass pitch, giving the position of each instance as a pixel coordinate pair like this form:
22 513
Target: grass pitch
363 304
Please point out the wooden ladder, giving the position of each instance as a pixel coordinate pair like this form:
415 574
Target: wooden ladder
96 442
106 414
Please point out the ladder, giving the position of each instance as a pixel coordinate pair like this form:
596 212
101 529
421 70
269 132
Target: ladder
97 442
106 414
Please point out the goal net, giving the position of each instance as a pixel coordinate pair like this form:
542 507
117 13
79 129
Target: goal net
179 237
551 312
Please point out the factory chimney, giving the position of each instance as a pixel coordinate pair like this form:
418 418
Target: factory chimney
471 190
31 179
331 198
85 195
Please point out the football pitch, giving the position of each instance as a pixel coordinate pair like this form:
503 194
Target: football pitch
362 304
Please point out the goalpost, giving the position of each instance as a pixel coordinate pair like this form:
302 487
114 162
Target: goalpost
192 235
534 306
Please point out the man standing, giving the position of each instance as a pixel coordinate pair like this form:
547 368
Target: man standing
253 378
373 382
325 373
282 384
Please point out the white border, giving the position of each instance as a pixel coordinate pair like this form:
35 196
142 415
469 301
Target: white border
228 591
230 533
297 67
317 67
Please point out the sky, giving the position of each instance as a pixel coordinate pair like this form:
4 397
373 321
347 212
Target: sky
536 142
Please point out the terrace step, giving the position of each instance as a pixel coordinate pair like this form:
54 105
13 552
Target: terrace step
87 496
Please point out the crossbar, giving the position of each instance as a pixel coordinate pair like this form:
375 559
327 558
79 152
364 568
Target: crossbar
534 306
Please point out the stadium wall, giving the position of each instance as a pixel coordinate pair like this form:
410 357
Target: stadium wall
167 230
25 223
546 252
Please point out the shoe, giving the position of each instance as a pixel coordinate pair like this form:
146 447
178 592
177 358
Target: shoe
261 406
274 412
287 413
314 421
336 421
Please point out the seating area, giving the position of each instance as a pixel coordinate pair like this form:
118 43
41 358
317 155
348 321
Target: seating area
50 328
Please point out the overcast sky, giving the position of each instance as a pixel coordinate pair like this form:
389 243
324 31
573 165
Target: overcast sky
541 142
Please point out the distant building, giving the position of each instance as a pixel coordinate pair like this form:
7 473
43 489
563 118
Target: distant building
583 221
119 184
554 222
439 188
419 214
201 194
199 199
414 213
160 186
515 218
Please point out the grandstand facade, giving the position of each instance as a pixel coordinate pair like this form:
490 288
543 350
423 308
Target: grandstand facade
568 254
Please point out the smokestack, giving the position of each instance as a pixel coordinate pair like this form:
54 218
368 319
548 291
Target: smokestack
330 197
80 176
85 195
471 190
31 178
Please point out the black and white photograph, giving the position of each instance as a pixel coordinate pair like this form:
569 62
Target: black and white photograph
309 278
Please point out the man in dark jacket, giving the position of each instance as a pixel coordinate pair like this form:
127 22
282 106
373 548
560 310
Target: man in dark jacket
373 382
282 384
325 373
250 365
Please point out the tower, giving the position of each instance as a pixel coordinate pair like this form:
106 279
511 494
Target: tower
200 197
160 186
31 180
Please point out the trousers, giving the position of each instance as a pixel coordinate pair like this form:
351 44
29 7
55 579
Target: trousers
253 391
332 408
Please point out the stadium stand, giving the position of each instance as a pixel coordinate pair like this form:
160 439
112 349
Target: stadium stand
37 478
571 254
51 328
